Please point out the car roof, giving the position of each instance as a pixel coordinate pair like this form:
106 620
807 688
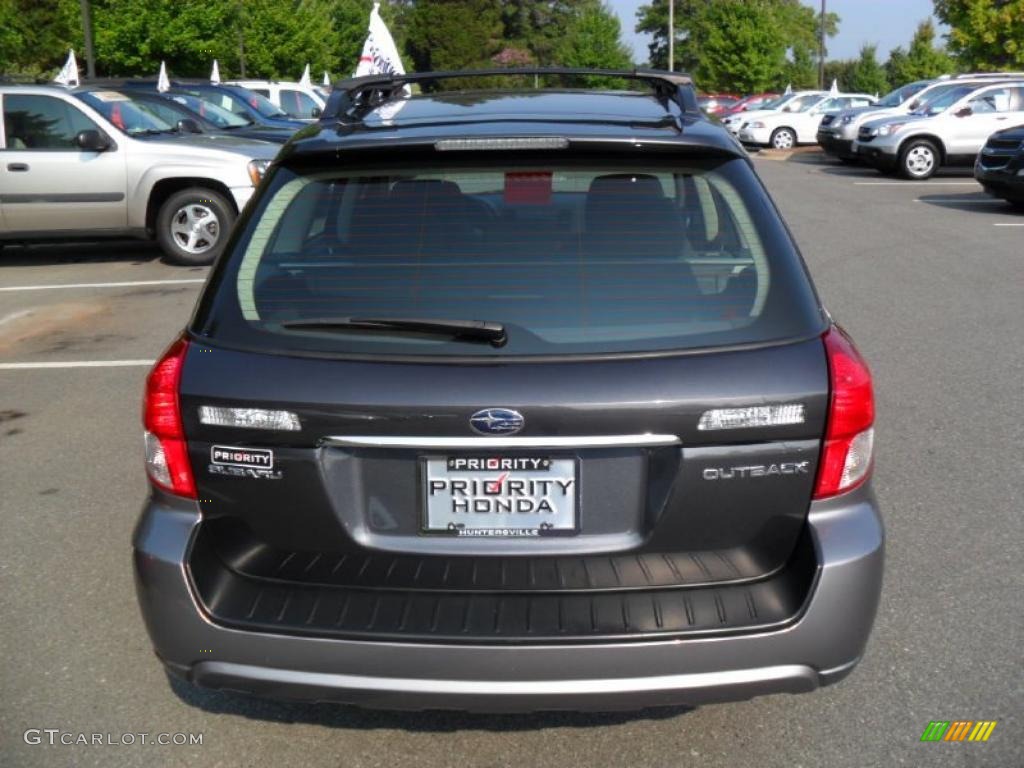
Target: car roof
662 116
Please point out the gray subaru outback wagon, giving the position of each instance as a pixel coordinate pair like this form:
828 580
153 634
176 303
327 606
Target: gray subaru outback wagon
510 400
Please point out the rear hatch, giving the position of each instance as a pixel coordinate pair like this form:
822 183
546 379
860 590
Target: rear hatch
633 453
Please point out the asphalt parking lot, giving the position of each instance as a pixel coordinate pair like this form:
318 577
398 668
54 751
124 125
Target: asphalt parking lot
928 277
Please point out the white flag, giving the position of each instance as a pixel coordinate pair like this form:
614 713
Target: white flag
789 89
834 90
215 73
327 80
380 54
68 74
162 82
305 80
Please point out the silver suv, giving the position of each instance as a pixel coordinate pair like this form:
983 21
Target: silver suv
90 164
837 133
950 129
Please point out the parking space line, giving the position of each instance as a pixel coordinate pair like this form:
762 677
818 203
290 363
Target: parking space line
907 183
75 364
127 284
1009 224
960 201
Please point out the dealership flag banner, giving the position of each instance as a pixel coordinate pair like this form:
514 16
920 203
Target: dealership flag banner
327 80
68 74
162 82
305 81
834 90
215 73
789 89
380 54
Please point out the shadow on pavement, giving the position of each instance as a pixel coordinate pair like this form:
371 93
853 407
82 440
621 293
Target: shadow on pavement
42 254
429 721
977 202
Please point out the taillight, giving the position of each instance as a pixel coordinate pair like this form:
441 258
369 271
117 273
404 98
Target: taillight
849 434
167 461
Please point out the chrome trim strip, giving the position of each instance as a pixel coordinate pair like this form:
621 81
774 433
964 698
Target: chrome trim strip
583 441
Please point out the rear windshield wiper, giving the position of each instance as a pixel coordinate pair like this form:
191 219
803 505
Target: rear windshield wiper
460 330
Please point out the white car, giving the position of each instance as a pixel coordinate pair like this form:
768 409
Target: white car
797 121
295 99
948 130
733 123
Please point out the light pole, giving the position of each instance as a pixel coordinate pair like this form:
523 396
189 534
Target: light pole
821 49
671 35
90 55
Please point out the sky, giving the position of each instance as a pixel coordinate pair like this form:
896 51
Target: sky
887 23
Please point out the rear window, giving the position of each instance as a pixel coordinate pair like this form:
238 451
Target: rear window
570 259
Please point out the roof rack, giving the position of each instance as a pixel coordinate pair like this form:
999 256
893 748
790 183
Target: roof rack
354 96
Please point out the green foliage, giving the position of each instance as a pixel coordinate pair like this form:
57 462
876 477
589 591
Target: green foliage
867 75
740 50
459 34
840 70
277 38
731 44
35 35
984 34
454 34
594 39
923 61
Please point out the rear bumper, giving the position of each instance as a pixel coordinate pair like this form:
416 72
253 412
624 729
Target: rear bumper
819 648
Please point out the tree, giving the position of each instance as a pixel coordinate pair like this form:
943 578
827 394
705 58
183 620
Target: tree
755 45
840 70
454 34
35 35
897 69
741 49
924 61
867 75
594 39
984 34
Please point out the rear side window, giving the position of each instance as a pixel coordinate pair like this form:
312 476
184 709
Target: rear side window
42 123
296 103
570 259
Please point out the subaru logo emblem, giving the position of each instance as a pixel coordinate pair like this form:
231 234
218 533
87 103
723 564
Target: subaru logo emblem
496 421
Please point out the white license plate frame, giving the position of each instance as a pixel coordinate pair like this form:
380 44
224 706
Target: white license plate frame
513 510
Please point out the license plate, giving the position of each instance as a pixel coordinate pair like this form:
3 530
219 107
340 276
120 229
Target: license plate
500 496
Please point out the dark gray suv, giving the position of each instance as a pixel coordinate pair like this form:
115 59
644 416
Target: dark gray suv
510 400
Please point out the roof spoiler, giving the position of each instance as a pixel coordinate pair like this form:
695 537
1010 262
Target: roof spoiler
354 96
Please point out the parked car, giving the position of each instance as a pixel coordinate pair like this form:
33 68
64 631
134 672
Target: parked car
191 114
747 103
298 101
91 164
510 413
1000 165
733 123
716 103
838 133
949 130
233 98
797 122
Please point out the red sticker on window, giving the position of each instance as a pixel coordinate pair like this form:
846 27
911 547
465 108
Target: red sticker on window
528 188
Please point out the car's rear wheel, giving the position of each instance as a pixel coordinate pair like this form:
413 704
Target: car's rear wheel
783 138
193 225
919 160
